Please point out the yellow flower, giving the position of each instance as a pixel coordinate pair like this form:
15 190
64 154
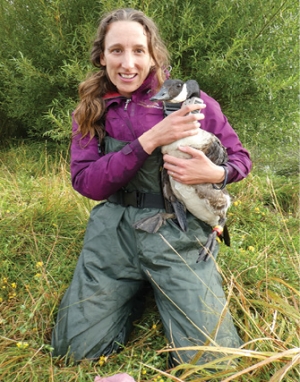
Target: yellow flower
1 299
250 248
236 203
39 264
102 360
144 372
38 276
256 209
12 295
4 280
154 326
13 285
22 345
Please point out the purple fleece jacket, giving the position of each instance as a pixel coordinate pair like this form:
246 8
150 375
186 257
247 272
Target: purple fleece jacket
98 176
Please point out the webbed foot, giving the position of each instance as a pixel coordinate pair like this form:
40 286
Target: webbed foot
208 248
219 230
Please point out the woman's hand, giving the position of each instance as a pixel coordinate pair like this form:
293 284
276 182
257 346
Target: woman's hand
195 170
177 125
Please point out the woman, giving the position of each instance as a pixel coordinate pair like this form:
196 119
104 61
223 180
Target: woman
97 310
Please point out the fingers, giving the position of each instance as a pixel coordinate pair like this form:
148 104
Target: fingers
172 163
192 108
185 115
179 124
179 165
184 122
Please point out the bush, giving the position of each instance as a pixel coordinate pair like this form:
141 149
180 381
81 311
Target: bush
244 54
44 58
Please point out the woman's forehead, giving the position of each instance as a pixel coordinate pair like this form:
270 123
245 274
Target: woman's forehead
124 32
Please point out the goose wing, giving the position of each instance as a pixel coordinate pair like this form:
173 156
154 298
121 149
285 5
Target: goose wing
171 200
215 151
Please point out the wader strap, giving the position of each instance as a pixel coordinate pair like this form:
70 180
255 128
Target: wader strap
137 199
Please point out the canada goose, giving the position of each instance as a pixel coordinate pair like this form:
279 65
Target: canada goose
205 201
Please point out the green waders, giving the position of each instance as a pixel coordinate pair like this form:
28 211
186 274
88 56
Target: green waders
114 264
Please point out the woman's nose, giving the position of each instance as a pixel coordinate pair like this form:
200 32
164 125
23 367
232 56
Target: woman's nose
128 61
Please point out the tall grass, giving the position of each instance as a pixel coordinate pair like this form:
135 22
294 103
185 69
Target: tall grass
42 223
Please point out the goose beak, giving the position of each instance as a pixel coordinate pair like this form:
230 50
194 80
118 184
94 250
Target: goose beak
162 95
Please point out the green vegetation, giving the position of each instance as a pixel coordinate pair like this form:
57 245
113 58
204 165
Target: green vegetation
42 223
245 54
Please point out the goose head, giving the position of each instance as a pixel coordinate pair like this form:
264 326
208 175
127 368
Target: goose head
176 91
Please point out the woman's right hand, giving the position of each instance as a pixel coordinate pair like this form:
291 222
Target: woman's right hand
179 124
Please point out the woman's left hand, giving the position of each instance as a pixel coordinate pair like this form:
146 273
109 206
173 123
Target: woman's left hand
195 170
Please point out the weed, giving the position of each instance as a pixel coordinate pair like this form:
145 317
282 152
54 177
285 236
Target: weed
42 222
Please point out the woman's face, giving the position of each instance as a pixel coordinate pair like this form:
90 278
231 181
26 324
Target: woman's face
126 56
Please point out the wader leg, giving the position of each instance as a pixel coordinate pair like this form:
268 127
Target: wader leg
92 316
99 306
189 295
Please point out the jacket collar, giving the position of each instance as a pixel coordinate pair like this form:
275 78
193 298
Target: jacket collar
149 84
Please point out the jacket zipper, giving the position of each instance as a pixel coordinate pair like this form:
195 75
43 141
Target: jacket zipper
128 123
126 103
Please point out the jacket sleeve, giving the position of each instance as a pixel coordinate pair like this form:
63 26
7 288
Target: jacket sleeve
97 176
239 163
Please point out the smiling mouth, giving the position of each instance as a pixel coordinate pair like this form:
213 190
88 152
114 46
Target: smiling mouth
127 76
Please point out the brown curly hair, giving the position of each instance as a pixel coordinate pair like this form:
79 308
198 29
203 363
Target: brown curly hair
91 107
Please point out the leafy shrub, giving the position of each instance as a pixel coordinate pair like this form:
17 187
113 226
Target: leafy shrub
243 53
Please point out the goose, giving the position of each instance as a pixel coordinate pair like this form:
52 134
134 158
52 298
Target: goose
205 201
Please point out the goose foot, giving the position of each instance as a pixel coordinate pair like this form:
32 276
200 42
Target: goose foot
208 248
153 223
219 230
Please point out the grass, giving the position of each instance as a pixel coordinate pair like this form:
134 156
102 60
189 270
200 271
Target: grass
42 223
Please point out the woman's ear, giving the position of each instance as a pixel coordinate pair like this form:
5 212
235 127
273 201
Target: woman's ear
102 60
